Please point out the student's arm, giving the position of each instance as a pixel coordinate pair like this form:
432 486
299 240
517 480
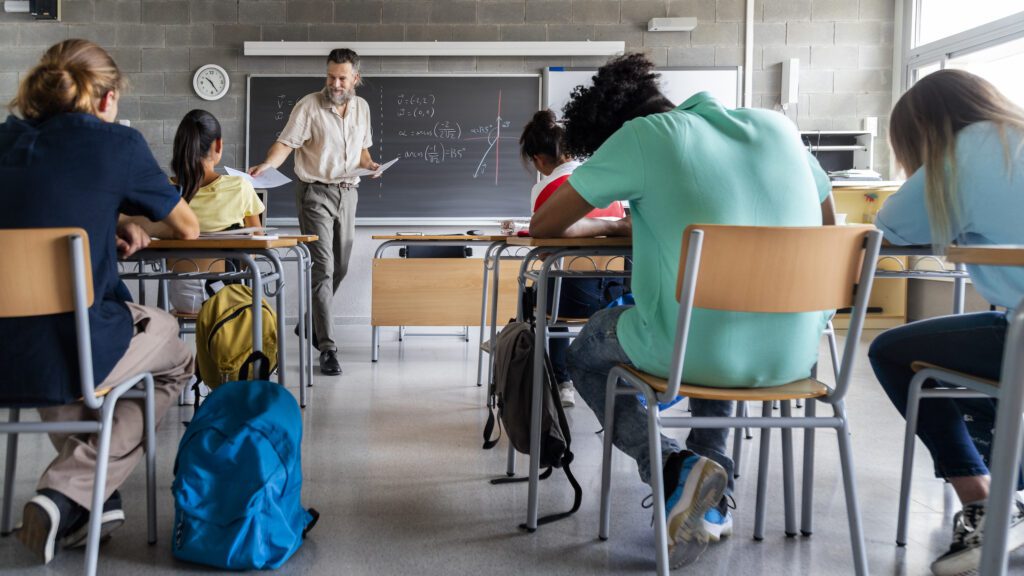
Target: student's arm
563 216
276 156
253 221
134 232
828 211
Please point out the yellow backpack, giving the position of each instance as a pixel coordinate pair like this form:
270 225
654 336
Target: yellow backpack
224 337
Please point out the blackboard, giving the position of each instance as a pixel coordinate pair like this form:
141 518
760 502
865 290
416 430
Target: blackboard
457 138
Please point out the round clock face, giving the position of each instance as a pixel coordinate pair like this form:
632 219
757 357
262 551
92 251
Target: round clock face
211 82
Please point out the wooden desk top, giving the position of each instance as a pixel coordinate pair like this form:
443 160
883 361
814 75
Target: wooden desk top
1005 255
301 238
438 237
229 244
602 242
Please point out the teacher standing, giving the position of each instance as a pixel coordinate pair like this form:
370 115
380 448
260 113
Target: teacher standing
330 133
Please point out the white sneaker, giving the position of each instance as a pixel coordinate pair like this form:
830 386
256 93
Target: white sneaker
964 553
567 394
188 396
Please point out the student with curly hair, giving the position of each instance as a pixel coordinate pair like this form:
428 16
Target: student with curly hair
541 146
702 163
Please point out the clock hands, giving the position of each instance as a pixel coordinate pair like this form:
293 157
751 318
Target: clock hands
210 82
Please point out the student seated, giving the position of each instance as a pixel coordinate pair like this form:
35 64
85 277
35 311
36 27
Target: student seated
64 162
541 145
699 163
961 141
220 202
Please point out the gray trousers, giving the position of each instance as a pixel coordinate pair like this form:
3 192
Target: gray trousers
154 348
329 211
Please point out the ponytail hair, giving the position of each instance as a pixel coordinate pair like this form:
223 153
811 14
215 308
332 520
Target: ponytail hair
72 76
542 136
196 134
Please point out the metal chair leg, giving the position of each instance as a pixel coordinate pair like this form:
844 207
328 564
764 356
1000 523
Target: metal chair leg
807 486
737 439
150 408
657 486
860 559
788 490
907 474
762 474
606 461
12 459
92 547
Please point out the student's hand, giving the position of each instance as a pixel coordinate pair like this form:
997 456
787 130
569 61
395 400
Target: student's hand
130 239
259 169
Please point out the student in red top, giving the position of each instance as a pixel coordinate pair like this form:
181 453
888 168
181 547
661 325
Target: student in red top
540 145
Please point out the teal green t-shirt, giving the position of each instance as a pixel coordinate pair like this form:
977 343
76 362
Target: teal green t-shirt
704 164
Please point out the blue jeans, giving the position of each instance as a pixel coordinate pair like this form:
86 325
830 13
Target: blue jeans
958 433
579 298
592 355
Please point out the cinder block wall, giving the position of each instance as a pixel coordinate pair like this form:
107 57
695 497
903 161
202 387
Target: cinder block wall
844 46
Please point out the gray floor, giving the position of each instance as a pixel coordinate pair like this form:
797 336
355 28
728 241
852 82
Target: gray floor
392 460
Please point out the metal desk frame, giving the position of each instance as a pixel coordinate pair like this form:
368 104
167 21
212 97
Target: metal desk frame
248 256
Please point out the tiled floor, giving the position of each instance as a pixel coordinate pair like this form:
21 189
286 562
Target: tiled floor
392 460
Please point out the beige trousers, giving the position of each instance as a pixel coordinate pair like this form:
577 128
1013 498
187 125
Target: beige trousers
329 211
154 348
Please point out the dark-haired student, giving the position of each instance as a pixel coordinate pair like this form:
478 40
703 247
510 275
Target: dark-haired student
541 145
219 202
961 142
64 162
693 164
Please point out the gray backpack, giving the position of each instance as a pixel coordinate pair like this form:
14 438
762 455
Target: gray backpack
511 399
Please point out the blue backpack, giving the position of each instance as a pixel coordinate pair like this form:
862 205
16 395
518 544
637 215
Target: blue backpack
238 480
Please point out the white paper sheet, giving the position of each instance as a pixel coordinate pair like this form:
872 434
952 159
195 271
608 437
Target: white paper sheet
377 172
270 178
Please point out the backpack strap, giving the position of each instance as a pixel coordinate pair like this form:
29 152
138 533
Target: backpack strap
262 363
567 456
492 420
316 518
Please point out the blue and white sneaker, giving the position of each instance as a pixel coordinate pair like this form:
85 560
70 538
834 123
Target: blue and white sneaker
697 485
718 524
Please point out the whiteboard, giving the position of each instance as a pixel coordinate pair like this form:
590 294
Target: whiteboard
677 84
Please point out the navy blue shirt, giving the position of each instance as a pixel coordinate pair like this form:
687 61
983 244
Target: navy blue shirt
74 170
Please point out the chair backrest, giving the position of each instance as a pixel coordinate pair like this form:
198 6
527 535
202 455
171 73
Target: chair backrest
421 251
776 269
36 275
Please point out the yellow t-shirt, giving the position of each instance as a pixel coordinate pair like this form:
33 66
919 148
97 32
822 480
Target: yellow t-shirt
225 202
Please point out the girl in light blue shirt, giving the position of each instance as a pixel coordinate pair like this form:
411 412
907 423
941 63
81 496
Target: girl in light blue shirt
961 141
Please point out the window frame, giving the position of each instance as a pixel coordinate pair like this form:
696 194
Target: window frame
907 59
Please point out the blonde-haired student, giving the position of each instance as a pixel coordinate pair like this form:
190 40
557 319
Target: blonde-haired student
962 144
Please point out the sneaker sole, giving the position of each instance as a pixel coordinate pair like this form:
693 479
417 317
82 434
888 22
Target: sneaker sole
686 524
717 532
110 521
38 530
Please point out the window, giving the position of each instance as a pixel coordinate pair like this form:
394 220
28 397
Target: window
943 18
987 39
1001 65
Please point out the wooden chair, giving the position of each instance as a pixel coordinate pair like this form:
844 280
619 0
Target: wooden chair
47 271
759 269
